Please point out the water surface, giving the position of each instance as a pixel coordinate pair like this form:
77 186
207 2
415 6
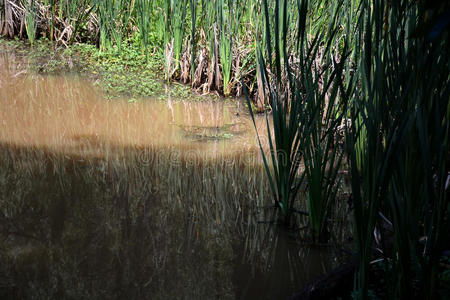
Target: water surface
141 199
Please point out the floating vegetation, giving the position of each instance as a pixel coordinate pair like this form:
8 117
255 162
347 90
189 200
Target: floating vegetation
205 133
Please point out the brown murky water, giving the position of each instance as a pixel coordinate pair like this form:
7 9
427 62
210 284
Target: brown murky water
69 114
141 200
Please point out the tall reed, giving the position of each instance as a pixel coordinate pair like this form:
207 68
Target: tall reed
388 68
178 15
225 27
306 111
144 10
112 20
30 20
399 169
193 40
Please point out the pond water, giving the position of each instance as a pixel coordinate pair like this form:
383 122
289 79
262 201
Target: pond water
141 199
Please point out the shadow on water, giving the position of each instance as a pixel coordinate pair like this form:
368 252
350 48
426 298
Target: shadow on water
108 229
102 199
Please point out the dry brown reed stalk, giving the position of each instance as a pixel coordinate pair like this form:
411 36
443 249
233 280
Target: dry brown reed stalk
64 28
200 73
208 71
7 21
185 62
216 65
169 60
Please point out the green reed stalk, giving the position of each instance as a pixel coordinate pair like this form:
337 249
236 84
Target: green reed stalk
2 17
52 4
298 112
178 30
209 16
103 7
175 22
30 20
285 153
369 185
110 13
193 6
326 111
160 24
81 9
225 19
167 20
402 106
119 15
144 10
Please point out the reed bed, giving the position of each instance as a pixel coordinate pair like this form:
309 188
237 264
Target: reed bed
381 83
210 44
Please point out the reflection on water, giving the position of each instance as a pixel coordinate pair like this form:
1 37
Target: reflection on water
68 114
146 200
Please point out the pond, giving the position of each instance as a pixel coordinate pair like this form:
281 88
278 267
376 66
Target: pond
136 198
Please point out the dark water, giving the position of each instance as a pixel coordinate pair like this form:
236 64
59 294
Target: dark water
148 200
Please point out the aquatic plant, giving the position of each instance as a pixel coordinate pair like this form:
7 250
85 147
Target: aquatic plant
177 11
306 112
110 27
396 152
193 41
30 20
144 10
227 22
398 177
